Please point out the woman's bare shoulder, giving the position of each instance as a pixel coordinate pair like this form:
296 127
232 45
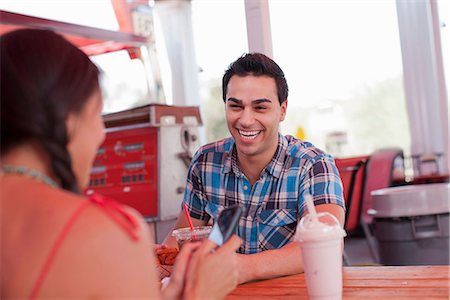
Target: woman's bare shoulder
114 245
104 251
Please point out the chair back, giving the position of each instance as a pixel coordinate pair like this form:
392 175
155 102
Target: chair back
379 175
353 172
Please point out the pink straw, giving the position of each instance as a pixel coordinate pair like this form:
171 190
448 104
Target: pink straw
190 221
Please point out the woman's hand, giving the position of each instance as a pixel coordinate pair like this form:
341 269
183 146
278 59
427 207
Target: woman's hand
174 289
212 272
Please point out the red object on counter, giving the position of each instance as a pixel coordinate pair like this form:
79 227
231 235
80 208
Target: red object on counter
126 169
144 160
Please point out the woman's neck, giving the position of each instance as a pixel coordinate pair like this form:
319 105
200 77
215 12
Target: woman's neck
31 156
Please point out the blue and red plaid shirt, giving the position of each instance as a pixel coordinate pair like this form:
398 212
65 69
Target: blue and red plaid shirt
274 205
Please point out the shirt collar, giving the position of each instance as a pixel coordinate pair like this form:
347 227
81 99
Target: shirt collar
275 166
230 163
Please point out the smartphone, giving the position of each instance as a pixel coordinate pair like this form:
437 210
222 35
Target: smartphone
226 224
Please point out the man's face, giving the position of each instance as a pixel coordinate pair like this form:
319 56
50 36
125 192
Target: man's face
253 115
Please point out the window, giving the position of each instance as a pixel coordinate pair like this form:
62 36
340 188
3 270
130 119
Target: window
124 80
220 37
444 18
342 60
77 12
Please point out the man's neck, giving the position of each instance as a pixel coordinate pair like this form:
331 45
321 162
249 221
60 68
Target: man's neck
252 166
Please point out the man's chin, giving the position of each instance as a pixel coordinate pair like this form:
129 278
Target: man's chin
246 150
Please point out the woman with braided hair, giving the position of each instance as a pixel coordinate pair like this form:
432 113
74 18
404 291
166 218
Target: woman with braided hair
56 242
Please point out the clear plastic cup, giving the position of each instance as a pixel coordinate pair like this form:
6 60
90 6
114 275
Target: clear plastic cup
184 235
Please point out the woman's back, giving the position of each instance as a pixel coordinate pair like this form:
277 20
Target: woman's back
96 258
55 242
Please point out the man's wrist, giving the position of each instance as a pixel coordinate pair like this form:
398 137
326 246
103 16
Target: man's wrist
247 271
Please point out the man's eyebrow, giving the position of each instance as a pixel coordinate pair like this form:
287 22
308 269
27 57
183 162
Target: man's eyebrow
237 101
259 101
254 102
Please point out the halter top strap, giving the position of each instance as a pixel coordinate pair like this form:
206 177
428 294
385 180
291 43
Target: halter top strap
112 208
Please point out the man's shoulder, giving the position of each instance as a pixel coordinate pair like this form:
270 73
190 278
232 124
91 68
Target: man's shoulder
219 147
299 149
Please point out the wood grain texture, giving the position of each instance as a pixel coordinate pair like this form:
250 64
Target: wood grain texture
378 282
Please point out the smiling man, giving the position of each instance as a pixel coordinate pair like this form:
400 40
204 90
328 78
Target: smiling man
259 169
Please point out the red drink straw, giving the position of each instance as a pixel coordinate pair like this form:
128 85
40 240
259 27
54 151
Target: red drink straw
189 220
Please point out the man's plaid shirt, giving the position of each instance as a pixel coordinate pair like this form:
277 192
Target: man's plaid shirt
274 205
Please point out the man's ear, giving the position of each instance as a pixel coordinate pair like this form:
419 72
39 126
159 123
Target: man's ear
283 110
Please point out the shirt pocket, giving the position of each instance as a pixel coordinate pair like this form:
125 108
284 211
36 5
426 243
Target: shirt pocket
276 228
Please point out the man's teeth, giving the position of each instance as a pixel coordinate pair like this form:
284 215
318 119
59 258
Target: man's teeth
249 134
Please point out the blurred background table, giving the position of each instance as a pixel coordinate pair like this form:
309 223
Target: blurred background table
360 282
432 178
423 179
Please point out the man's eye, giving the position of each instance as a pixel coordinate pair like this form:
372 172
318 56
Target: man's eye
261 108
234 106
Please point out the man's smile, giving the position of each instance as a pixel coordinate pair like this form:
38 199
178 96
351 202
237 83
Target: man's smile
249 134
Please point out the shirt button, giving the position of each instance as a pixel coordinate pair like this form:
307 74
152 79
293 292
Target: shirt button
245 187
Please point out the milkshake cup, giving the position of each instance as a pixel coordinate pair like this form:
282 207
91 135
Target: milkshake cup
320 236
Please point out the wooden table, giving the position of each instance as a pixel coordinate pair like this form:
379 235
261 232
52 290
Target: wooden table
374 282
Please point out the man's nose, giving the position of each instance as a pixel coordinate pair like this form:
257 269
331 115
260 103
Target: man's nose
247 117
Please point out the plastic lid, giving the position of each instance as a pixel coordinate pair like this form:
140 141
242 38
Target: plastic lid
327 227
185 233
412 200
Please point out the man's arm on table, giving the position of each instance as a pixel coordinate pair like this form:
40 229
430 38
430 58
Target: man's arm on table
279 262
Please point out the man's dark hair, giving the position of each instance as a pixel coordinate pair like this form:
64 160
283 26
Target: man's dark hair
256 64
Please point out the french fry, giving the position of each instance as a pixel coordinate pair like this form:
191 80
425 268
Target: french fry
167 256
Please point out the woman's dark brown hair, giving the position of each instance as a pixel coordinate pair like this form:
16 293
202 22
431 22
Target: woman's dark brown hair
43 79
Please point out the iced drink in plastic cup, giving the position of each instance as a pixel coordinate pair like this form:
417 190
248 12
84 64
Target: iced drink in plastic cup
184 235
320 237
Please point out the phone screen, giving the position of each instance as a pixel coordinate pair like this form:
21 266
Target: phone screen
226 224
